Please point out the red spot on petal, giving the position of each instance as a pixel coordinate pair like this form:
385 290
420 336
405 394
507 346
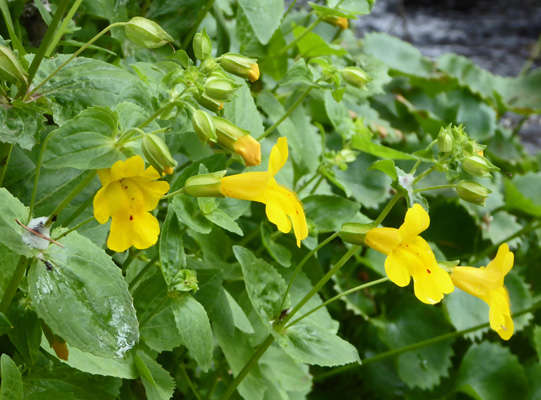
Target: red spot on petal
427 270
131 217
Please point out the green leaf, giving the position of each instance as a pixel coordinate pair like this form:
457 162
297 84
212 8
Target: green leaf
521 299
280 253
313 45
502 225
157 382
11 232
360 142
240 319
466 311
68 381
88 141
397 54
316 346
171 247
328 213
523 193
213 213
11 387
490 372
276 68
21 124
86 83
264 284
194 328
26 332
298 73
8 264
523 93
410 322
386 166
243 112
264 16
189 214
537 340
84 298
96 365
324 11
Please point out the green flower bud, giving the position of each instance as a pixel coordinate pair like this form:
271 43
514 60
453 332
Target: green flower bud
209 103
202 46
10 68
477 165
219 87
146 33
157 154
204 185
356 77
203 126
184 281
238 141
472 192
445 141
355 233
240 65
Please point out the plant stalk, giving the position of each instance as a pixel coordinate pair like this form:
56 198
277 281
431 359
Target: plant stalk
13 285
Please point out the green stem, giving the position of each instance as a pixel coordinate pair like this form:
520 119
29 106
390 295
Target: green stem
308 182
75 191
387 209
63 27
79 211
46 40
200 18
320 284
289 9
449 186
251 362
338 296
86 221
415 346
321 178
415 167
190 383
172 194
536 50
158 112
11 31
13 285
6 150
36 177
287 113
286 48
142 272
303 261
103 32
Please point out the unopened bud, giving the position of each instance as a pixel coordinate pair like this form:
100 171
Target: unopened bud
202 46
209 103
445 141
10 68
355 77
477 165
472 192
157 154
204 185
355 233
238 141
341 22
146 33
240 65
220 87
203 126
184 281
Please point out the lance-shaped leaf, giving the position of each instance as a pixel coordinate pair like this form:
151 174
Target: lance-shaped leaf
157 382
26 332
11 232
172 256
21 124
12 382
84 298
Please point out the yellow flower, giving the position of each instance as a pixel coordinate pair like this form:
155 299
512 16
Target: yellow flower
283 207
127 195
409 255
487 284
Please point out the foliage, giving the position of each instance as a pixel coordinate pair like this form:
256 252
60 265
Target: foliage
233 297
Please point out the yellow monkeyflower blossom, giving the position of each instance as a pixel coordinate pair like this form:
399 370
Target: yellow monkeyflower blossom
487 284
409 255
283 206
127 195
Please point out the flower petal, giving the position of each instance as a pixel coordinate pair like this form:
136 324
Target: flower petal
150 192
146 230
416 221
121 234
430 285
396 268
101 206
478 282
500 314
133 166
247 186
105 176
503 262
383 240
278 156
